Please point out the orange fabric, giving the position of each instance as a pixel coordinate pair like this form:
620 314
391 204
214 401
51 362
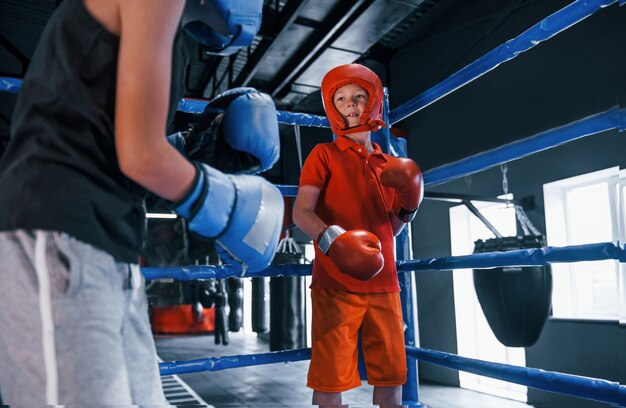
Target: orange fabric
179 319
337 318
352 197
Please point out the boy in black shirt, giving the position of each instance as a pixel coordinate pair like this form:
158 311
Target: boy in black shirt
88 138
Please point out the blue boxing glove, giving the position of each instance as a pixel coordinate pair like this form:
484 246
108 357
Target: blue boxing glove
236 133
243 213
223 27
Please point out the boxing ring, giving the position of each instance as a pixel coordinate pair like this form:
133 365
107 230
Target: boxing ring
612 119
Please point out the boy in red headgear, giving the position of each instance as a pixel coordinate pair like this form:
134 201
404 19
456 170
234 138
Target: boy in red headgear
353 199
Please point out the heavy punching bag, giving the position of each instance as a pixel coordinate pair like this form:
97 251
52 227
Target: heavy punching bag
287 320
515 300
234 287
221 298
287 310
260 305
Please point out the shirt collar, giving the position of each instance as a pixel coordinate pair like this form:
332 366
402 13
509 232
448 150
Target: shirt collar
344 143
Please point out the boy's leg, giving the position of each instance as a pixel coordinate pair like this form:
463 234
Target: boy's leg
384 349
327 399
141 357
61 313
21 351
337 316
387 396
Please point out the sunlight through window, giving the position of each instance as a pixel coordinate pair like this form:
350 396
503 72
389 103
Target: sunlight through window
582 210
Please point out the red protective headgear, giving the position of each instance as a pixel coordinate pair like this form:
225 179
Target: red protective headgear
360 75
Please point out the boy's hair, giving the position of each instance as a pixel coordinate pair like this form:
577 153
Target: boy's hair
358 74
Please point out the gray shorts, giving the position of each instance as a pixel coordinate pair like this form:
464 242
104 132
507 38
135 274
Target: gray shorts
74 327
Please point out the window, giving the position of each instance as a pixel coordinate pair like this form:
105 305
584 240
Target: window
474 336
582 210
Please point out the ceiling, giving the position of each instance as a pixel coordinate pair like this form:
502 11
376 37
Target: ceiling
299 40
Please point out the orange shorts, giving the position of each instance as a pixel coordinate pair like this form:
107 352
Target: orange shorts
337 318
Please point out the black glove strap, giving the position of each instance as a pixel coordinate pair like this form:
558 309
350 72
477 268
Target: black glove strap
406 215
174 205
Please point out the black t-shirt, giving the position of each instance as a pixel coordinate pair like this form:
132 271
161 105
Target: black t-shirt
60 170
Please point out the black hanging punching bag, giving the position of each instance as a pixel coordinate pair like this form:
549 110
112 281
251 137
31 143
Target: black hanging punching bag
260 305
515 300
221 298
234 287
287 318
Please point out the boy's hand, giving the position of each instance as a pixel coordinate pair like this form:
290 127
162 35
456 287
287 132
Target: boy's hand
237 133
405 176
356 252
243 213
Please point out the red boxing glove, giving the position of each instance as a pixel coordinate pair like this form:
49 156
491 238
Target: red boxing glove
404 176
356 252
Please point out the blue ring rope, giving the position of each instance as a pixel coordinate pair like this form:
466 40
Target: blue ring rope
285 117
574 385
614 118
13 85
520 257
543 30
568 384
222 363
194 272
304 119
10 85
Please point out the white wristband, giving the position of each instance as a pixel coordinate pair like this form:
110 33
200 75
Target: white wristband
329 236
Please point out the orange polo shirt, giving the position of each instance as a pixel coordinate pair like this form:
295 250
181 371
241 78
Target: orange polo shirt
352 197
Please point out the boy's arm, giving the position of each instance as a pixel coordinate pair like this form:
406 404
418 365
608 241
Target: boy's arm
143 91
147 31
304 211
355 252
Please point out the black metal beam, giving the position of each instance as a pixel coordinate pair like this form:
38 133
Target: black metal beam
332 26
24 60
207 75
283 21
481 217
460 198
5 119
227 73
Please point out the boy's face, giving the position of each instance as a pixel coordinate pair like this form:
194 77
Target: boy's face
351 100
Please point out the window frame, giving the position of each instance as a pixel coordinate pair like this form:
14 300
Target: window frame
558 229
